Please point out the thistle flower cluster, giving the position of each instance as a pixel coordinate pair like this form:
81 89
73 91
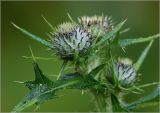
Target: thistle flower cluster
94 68
71 39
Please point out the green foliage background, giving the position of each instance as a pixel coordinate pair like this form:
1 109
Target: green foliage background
142 19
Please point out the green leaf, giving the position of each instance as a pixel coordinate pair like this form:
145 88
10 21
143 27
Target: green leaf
39 76
139 62
42 89
151 99
87 82
38 39
35 97
40 85
126 42
110 34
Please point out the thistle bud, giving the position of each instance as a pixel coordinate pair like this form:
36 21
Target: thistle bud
125 73
98 25
71 39
122 73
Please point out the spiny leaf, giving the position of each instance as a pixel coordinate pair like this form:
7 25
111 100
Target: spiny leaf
42 89
126 42
38 86
39 76
35 97
151 98
110 34
138 64
38 39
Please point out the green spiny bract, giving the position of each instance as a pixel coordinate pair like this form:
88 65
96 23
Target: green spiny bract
98 25
70 39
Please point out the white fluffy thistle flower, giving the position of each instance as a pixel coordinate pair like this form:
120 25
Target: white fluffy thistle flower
125 73
70 39
100 24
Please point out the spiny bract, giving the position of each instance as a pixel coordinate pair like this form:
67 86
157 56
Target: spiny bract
98 25
65 27
70 39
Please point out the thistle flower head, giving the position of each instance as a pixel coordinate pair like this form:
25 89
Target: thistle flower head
125 73
71 39
102 23
121 73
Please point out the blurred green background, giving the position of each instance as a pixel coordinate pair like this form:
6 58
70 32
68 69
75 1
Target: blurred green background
142 19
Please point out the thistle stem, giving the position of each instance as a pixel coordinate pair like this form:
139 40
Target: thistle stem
99 101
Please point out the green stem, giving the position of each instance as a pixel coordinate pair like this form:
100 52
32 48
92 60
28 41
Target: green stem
103 102
99 101
106 103
99 97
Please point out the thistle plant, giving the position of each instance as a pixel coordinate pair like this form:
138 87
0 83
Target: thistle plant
87 44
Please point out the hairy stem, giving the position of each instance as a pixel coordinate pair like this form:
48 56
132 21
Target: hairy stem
99 101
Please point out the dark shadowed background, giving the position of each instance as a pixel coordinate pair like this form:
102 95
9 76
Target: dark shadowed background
142 19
